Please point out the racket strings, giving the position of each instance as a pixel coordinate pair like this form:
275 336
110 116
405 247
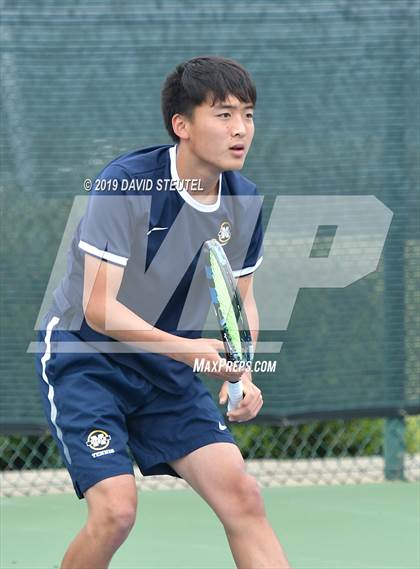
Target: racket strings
226 306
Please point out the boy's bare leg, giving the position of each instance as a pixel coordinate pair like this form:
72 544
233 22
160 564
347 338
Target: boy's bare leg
112 505
217 473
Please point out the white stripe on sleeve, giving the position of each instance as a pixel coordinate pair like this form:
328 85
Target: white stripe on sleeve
103 254
247 270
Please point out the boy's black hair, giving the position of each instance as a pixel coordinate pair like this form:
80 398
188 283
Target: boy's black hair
195 80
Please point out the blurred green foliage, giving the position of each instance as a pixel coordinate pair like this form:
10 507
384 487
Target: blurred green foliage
359 437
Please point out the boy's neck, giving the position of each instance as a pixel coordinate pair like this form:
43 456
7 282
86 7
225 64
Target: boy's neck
189 167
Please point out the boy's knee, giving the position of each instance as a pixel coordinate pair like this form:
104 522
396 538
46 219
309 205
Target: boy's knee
243 505
121 517
113 519
112 506
249 496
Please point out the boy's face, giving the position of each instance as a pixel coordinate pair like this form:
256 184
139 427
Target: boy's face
221 134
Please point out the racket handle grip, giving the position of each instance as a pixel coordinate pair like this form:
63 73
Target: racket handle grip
236 393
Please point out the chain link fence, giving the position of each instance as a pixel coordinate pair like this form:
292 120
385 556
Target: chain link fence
333 452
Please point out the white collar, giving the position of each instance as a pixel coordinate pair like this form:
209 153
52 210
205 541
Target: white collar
185 195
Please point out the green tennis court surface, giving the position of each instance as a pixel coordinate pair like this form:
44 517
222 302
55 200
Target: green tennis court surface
335 527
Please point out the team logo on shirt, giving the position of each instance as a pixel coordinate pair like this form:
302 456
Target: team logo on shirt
98 440
224 233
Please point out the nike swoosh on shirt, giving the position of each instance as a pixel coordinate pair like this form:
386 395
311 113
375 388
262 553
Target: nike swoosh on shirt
222 427
156 229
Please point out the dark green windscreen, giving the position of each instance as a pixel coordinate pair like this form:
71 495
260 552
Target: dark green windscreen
337 114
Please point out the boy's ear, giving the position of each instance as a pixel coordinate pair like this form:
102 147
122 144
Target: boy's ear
180 124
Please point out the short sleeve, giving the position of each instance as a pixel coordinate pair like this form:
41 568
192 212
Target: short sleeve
107 226
254 255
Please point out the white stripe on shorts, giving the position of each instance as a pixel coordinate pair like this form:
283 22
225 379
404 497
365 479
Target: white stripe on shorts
47 355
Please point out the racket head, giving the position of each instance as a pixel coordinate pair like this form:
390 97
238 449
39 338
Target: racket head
228 304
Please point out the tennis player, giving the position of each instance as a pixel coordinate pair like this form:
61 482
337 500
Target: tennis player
119 342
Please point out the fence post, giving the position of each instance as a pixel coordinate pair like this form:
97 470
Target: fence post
394 448
396 191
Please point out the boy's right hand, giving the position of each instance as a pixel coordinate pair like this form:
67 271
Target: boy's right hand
208 349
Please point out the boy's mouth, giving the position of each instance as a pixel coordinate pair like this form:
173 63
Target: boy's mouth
238 150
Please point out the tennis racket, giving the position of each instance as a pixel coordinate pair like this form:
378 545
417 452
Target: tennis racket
229 312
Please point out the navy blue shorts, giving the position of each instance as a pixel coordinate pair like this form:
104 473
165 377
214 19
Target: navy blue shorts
96 409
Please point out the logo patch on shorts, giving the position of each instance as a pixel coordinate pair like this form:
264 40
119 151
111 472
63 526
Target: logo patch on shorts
99 440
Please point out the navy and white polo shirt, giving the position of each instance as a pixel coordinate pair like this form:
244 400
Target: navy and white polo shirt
139 217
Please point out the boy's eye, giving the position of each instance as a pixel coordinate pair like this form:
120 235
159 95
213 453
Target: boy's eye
224 115
250 115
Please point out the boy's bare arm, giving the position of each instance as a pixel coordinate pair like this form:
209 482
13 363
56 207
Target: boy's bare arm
105 314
